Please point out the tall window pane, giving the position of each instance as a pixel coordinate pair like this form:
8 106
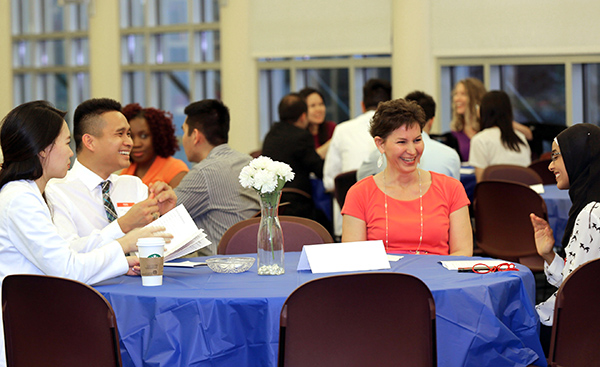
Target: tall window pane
50 52
334 84
171 12
273 85
591 93
537 92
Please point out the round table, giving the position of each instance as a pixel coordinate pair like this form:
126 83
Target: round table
201 318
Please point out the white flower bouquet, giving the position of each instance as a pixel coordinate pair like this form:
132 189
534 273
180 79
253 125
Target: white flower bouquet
266 176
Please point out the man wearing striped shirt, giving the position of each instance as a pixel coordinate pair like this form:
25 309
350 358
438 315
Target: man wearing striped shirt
211 191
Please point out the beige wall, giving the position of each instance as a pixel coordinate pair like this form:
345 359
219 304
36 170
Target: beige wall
105 60
238 76
514 27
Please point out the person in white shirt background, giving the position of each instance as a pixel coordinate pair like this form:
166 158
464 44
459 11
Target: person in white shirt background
351 142
103 143
498 142
35 143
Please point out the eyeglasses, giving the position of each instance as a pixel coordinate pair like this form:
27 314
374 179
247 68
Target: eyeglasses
554 156
484 268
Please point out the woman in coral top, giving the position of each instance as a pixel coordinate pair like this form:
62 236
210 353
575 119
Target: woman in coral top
154 143
411 210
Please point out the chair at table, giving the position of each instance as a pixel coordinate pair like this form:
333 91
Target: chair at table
502 225
576 326
297 232
342 184
509 172
541 168
363 319
51 321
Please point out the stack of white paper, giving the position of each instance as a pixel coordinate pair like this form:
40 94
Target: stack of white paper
187 238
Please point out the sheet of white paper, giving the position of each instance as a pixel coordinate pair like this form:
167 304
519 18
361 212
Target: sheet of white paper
394 257
185 264
467 170
539 188
455 265
347 256
186 235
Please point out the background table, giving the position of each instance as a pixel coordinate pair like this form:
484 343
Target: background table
200 318
558 203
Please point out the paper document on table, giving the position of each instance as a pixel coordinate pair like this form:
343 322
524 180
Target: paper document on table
340 257
467 170
185 264
187 238
455 265
539 188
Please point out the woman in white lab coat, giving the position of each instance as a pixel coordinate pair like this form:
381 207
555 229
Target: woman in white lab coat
35 143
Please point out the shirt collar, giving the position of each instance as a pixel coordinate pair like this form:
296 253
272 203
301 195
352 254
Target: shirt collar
89 178
218 149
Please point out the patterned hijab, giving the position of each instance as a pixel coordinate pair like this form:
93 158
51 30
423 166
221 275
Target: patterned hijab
580 150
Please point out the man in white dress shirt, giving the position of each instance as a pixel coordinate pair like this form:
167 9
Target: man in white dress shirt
351 142
103 143
437 157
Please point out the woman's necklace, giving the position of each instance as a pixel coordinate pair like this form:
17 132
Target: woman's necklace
386 211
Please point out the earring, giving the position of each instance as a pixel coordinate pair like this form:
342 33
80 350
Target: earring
380 161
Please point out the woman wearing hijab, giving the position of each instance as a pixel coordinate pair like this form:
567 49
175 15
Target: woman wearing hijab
576 166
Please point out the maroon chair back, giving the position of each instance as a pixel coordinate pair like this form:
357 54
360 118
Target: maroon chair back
51 321
363 319
343 182
509 172
576 327
297 232
502 225
541 168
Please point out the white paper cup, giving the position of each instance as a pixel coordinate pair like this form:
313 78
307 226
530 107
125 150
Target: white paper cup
151 253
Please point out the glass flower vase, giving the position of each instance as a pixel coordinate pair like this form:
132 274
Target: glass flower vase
270 236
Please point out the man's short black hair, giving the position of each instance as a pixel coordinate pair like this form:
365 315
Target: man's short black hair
84 118
376 91
425 101
211 118
291 107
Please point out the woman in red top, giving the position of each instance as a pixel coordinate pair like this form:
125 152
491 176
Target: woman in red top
410 209
154 143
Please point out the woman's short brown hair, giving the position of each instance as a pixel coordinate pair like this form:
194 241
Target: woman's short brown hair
394 114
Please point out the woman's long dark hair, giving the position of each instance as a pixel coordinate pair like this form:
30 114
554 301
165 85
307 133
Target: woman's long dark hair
322 132
26 131
496 110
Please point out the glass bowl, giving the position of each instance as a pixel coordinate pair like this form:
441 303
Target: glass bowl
230 265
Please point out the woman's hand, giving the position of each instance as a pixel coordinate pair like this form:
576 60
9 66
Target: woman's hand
129 241
544 238
134 265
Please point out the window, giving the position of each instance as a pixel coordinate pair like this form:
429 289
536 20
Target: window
537 90
170 54
340 80
591 94
50 52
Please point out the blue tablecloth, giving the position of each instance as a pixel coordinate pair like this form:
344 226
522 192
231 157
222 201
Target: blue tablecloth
558 204
200 318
